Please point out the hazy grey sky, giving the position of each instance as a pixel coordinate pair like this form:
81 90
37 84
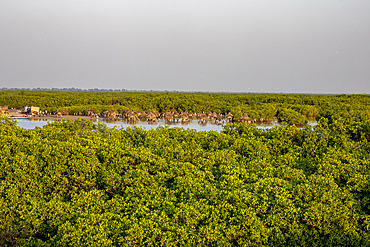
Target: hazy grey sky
309 46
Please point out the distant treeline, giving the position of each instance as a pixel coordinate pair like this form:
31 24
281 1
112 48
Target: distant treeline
71 89
292 108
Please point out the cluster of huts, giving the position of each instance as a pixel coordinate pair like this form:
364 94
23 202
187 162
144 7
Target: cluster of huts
154 116
175 117
168 116
150 117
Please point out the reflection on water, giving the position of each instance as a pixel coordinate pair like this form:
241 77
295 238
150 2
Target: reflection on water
32 123
147 126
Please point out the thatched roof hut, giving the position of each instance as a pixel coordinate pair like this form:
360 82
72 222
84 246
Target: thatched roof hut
168 116
229 117
132 117
58 113
176 116
91 112
125 113
151 117
111 114
157 114
184 117
245 118
202 117
141 115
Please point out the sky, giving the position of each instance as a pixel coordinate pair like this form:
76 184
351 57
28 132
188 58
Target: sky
289 46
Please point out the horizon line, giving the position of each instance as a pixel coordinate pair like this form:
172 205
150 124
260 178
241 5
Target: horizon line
73 89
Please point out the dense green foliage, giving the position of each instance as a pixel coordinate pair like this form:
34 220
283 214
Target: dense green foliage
258 106
291 116
76 183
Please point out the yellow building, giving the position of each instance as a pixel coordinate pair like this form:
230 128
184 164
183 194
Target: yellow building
4 110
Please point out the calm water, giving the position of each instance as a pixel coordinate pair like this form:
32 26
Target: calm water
31 124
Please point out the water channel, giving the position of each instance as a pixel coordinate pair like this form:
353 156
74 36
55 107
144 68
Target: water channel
32 123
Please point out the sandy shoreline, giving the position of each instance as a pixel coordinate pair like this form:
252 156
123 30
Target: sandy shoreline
16 113
53 117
